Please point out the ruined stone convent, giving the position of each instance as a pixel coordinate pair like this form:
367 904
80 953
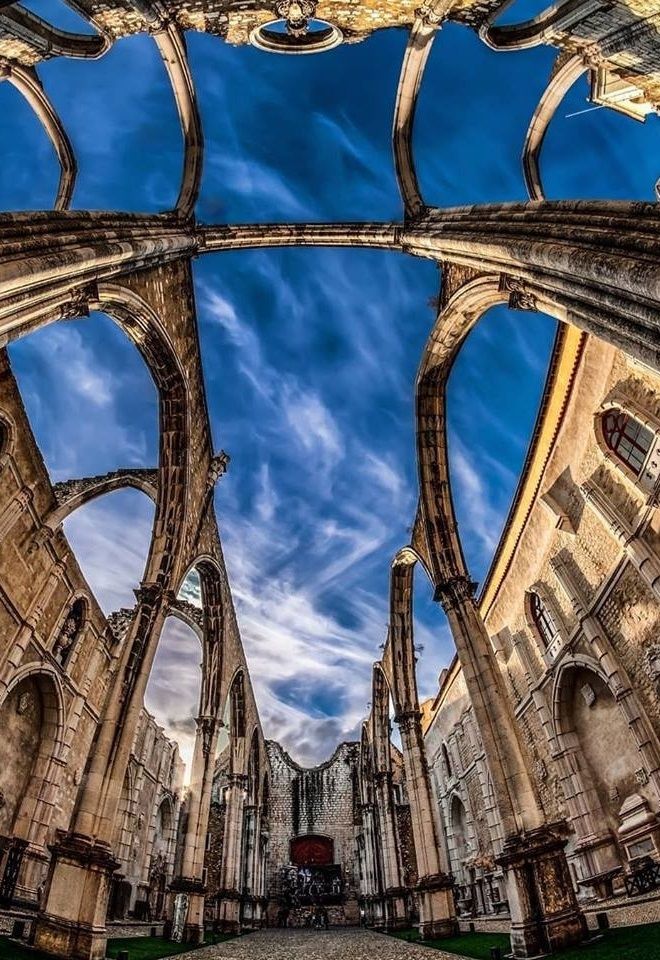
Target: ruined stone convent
528 788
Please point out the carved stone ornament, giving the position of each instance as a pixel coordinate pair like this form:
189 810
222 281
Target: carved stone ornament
588 694
25 703
520 298
453 593
78 305
540 770
218 467
429 15
641 776
297 14
651 664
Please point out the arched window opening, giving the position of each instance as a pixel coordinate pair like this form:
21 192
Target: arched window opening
191 589
447 762
627 438
172 697
253 771
543 620
265 799
70 631
238 708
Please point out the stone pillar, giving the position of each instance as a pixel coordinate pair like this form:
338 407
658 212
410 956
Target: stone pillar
14 510
437 912
72 922
640 555
392 871
250 866
229 897
35 612
545 915
191 879
372 884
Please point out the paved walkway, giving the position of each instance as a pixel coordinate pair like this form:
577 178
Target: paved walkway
336 944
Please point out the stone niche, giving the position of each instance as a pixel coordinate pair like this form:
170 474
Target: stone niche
20 722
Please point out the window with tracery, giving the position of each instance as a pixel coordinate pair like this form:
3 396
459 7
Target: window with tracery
542 620
627 438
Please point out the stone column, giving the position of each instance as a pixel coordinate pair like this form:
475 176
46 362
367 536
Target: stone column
229 897
31 621
437 912
248 865
640 555
544 911
372 883
15 510
72 923
191 879
392 873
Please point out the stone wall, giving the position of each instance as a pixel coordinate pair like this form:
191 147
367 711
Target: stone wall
54 674
591 692
148 822
55 671
319 800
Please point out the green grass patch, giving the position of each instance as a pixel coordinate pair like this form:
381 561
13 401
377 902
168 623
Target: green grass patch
620 943
139 948
153 948
468 944
16 951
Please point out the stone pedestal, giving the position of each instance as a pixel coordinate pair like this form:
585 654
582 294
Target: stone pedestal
437 914
545 916
229 911
195 891
72 922
396 912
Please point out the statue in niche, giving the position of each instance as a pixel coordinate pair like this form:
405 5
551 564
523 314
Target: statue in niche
70 632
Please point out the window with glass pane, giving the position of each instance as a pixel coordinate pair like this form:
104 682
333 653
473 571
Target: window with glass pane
629 439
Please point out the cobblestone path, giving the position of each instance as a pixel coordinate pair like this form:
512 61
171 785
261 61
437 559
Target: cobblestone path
335 944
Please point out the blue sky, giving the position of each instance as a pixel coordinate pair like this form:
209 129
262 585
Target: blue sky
309 355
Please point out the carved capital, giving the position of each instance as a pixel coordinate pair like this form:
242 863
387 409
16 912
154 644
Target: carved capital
383 777
520 297
455 593
153 594
78 304
431 14
408 721
41 537
238 780
206 729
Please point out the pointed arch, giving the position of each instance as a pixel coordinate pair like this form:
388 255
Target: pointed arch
28 84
